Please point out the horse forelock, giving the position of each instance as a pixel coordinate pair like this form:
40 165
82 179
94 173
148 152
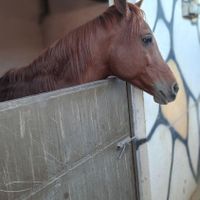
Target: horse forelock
136 19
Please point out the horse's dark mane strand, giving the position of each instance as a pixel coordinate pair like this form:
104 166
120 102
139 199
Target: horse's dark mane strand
66 59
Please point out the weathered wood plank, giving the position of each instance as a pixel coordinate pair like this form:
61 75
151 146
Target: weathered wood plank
62 145
137 120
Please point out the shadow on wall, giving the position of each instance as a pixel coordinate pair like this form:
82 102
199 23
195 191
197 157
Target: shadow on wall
67 15
20 38
23 35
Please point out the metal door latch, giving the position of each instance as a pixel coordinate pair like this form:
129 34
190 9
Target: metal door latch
122 145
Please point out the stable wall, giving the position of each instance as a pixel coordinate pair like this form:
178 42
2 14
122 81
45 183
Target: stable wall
20 35
66 15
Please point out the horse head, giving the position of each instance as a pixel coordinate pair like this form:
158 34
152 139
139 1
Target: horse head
135 57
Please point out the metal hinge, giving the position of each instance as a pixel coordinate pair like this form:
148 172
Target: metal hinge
122 145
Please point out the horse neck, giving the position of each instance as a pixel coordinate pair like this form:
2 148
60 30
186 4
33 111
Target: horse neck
77 58
86 52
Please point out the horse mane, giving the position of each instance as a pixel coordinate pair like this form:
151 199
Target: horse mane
64 61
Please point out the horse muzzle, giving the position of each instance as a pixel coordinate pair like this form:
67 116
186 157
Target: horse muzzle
165 94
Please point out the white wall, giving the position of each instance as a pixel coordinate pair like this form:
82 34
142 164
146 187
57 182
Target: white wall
173 131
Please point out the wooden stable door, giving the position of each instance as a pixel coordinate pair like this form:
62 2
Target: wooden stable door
63 145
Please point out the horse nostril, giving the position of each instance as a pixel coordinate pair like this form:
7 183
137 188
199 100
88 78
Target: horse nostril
175 88
173 96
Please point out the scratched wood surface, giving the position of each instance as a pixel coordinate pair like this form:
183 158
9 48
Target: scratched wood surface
62 145
196 193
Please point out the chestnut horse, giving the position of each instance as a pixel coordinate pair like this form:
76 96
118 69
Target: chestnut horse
119 42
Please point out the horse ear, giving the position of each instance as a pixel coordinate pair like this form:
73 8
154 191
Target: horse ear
139 3
122 6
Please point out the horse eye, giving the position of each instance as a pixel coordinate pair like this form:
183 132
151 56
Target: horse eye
147 40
